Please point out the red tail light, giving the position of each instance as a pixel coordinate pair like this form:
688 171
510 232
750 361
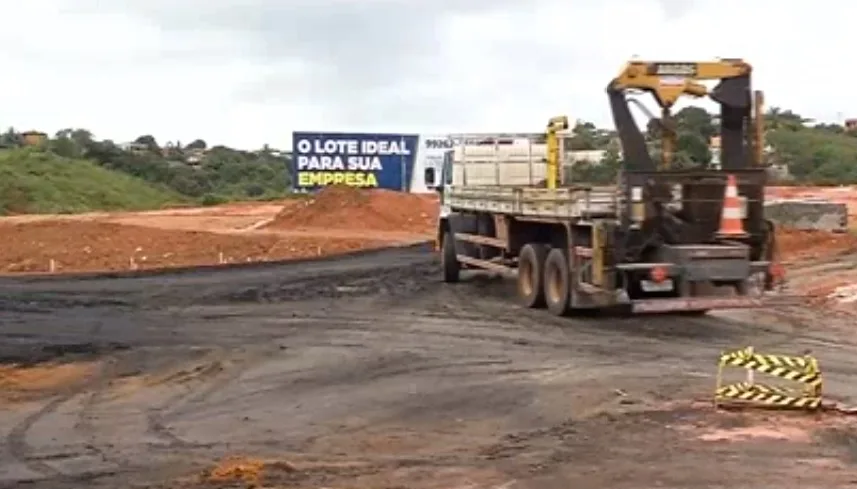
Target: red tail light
658 274
777 271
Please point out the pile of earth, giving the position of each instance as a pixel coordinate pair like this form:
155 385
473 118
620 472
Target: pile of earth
342 207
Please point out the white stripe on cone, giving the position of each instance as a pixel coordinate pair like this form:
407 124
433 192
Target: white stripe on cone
731 213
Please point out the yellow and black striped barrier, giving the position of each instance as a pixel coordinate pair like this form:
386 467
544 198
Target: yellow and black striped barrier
803 371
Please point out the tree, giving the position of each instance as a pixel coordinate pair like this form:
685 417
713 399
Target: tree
72 143
65 147
695 120
777 118
586 136
82 137
693 148
583 136
10 139
197 144
149 141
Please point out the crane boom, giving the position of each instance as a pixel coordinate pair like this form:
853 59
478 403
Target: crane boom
668 81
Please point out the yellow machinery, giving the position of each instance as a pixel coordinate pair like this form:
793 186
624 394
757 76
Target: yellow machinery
667 81
555 125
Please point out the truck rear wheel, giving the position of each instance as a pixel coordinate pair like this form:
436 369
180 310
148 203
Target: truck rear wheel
449 260
531 264
557 282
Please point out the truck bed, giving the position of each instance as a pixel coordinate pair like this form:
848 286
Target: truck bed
562 203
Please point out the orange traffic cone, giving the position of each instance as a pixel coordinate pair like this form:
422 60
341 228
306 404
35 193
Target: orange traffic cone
731 225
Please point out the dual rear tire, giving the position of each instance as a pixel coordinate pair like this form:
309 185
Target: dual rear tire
543 278
543 275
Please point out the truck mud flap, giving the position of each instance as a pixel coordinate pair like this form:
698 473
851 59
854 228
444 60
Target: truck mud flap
648 306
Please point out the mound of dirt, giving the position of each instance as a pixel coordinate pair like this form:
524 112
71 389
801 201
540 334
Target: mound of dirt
341 207
73 246
796 243
245 470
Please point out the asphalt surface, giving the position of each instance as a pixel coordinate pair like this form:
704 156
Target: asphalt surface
368 372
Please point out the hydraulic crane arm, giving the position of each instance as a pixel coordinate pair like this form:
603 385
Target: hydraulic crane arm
555 125
667 82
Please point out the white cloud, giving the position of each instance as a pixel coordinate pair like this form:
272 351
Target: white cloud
245 73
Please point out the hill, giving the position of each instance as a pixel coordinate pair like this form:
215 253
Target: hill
33 181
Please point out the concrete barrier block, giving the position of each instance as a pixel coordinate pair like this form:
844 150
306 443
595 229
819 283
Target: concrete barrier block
808 214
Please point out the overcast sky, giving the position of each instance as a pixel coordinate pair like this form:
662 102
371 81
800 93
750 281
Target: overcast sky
248 72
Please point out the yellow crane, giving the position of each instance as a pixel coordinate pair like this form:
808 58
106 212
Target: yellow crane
667 81
555 125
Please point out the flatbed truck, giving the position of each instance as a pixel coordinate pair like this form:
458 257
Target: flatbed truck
661 240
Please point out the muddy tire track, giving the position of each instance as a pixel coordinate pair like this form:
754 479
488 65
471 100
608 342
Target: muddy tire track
157 418
208 380
391 370
16 440
86 417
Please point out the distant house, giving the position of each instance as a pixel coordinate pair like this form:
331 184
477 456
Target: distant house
133 147
592 156
714 148
194 156
33 138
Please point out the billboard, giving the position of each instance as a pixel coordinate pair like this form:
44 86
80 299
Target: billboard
353 159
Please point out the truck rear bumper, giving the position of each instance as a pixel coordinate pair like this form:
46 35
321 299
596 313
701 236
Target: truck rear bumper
702 270
645 306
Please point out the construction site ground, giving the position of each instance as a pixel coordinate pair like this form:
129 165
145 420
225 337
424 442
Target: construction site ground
845 194
365 371
338 221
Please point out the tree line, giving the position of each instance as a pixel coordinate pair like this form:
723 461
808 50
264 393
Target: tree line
212 174
821 154
816 154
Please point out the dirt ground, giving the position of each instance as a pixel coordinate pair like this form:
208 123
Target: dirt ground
367 372
336 221
379 210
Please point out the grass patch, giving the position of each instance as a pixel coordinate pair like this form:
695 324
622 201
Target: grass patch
38 182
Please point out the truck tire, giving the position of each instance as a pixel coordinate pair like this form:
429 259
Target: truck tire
557 282
448 260
531 264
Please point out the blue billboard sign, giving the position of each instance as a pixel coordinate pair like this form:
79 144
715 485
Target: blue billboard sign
353 159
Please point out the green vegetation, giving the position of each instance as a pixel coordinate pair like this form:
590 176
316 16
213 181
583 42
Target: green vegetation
33 181
195 171
73 171
799 151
